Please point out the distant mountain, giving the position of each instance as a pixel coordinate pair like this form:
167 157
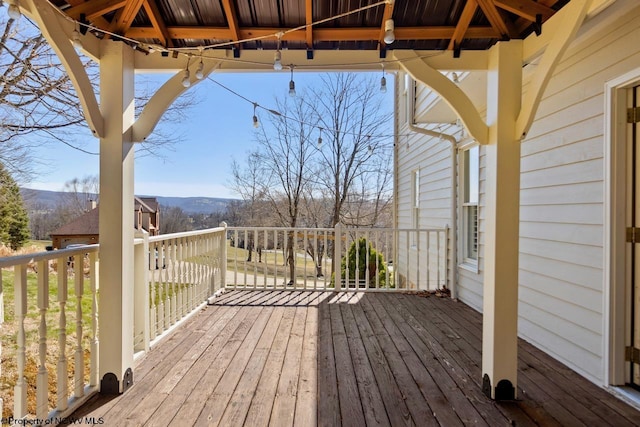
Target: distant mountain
42 199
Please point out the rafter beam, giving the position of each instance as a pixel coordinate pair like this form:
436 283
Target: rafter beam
232 19
308 11
151 7
125 16
319 34
95 8
463 23
526 9
494 17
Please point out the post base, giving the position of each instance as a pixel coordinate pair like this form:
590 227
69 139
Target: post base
110 385
504 390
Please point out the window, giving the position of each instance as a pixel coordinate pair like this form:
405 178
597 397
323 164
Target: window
470 192
415 205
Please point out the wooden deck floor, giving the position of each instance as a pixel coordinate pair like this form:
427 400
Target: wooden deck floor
309 358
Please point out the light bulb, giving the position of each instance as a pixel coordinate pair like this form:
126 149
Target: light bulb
370 150
292 88
76 41
277 61
14 10
186 80
199 71
320 142
256 123
383 85
389 36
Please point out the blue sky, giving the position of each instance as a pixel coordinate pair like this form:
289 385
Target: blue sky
217 130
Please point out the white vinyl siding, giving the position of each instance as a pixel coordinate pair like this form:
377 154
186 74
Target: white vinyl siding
562 196
562 205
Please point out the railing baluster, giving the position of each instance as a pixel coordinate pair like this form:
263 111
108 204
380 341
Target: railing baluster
20 291
95 343
62 388
42 381
78 389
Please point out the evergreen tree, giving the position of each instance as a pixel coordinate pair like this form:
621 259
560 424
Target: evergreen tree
14 221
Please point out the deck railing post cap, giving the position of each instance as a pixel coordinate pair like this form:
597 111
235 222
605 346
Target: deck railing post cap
223 224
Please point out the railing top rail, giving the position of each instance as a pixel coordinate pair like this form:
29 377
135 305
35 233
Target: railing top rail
185 234
46 256
344 228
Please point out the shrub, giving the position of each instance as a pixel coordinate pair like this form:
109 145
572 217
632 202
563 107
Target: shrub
376 266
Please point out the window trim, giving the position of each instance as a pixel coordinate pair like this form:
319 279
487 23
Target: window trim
464 261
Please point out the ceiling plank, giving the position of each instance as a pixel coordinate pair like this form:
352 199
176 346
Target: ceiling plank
492 14
526 9
95 8
151 7
463 23
309 20
387 14
232 18
319 34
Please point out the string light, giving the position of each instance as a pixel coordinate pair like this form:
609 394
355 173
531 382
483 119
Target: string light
389 34
14 10
256 123
383 81
277 59
76 41
199 71
454 77
320 139
186 79
292 84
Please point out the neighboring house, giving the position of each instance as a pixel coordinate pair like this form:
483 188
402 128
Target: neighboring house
85 230
577 182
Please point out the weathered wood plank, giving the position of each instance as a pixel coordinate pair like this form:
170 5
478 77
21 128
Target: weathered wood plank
328 405
371 400
307 403
350 401
217 402
259 412
393 398
284 405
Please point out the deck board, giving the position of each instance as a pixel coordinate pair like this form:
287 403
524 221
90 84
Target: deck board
287 358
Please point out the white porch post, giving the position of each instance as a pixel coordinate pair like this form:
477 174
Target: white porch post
501 226
116 217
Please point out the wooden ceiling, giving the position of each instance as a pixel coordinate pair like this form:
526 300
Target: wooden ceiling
253 24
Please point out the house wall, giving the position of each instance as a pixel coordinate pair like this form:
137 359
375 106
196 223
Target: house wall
562 187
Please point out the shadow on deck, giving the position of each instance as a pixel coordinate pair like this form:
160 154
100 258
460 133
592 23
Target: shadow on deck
311 358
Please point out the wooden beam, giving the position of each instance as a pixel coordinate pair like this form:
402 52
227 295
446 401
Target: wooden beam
95 8
526 9
126 15
158 23
232 19
494 17
309 20
319 34
463 23
387 14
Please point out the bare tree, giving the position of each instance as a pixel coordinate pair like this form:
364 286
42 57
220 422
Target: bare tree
355 150
38 103
285 153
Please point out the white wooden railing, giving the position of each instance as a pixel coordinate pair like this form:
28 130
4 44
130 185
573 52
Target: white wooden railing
184 269
381 259
50 322
38 318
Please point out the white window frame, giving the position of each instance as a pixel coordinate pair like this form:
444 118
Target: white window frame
469 206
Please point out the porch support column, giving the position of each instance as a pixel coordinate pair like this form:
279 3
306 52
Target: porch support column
116 217
501 224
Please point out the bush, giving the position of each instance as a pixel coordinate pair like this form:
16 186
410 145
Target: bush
377 265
